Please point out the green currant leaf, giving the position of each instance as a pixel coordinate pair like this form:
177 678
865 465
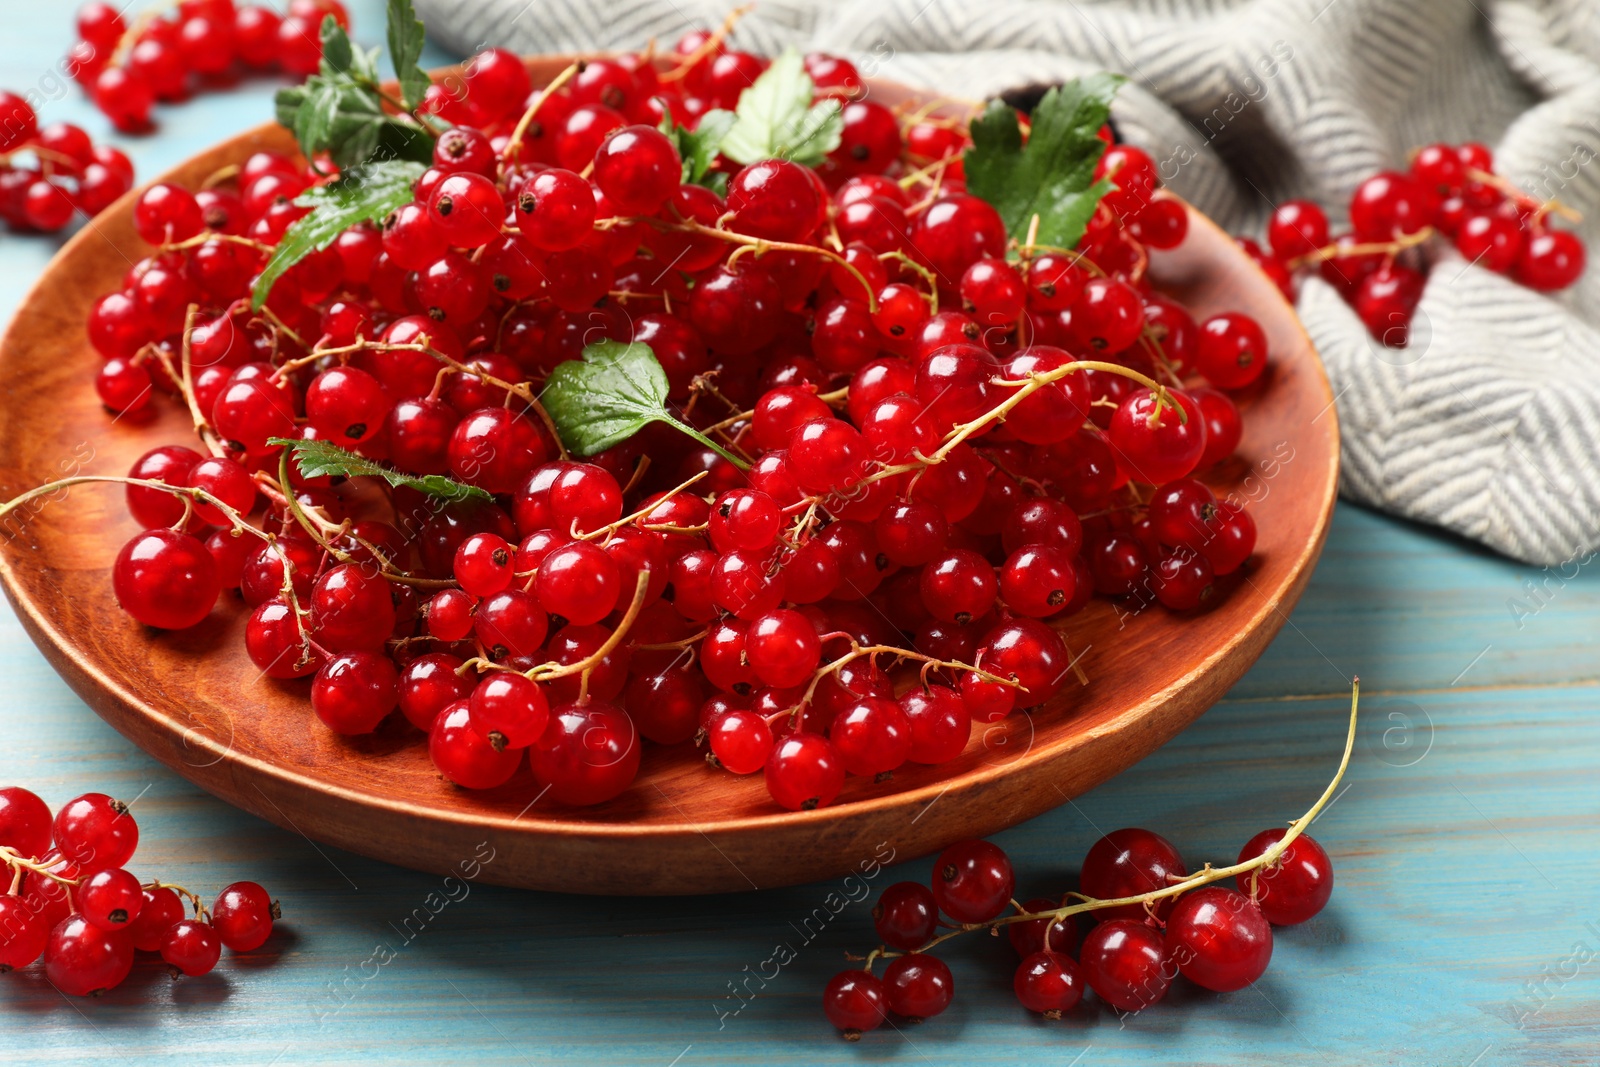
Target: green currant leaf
775 118
366 192
615 391
1052 176
699 147
406 38
317 458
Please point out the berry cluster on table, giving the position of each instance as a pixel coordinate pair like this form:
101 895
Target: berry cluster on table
71 899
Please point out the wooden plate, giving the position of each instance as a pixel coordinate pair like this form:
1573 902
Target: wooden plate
194 700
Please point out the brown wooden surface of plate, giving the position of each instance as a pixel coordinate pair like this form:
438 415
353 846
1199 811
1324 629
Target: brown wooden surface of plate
196 702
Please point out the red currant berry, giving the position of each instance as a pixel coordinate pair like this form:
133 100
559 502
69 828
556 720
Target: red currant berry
588 755
1293 889
192 947
906 916
1127 964
1219 939
110 898
804 772
1126 863
165 579
1233 350
854 1001
81 959
1049 983
972 881
355 691
918 986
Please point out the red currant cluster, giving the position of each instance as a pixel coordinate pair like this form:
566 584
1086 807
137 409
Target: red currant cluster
72 901
69 171
205 42
869 473
1379 266
1146 933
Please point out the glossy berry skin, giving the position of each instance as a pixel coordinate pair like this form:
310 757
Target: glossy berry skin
1038 581
351 609
740 741
226 480
110 898
511 623
956 232
191 947
1550 260
1293 889
509 709
872 736
783 647
1126 863
346 404
578 582
1297 227
906 916
854 1001
972 881
464 755
1388 205
483 564
555 210
1049 983
428 685
826 454
355 691
1030 937
159 910
23 934
1219 939
1490 240
588 755
940 723
243 916
774 199
1126 963
804 772
959 586
638 169
24 822
165 579
1232 352
918 986
1169 448
1032 653
81 959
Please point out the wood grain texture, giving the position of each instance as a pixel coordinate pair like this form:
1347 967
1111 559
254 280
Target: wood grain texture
1461 879
196 702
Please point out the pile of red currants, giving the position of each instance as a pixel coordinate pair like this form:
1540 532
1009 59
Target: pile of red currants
1153 922
69 172
920 439
126 69
1379 266
71 899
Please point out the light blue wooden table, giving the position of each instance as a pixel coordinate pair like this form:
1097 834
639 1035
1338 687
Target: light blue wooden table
1464 930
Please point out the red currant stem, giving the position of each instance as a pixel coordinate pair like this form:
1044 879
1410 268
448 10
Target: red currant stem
1372 248
220 175
1026 251
611 528
19 863
320 528
708 46
1207 874
1024 388
272 317
639 469
674 646
522 390
858 650
932 295
45 155
1524 200
131 36
513 146
207 236
1152 344
760 246
545 672
202 425
193 898
199 495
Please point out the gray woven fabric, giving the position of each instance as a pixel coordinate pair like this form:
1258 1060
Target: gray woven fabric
1489 423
